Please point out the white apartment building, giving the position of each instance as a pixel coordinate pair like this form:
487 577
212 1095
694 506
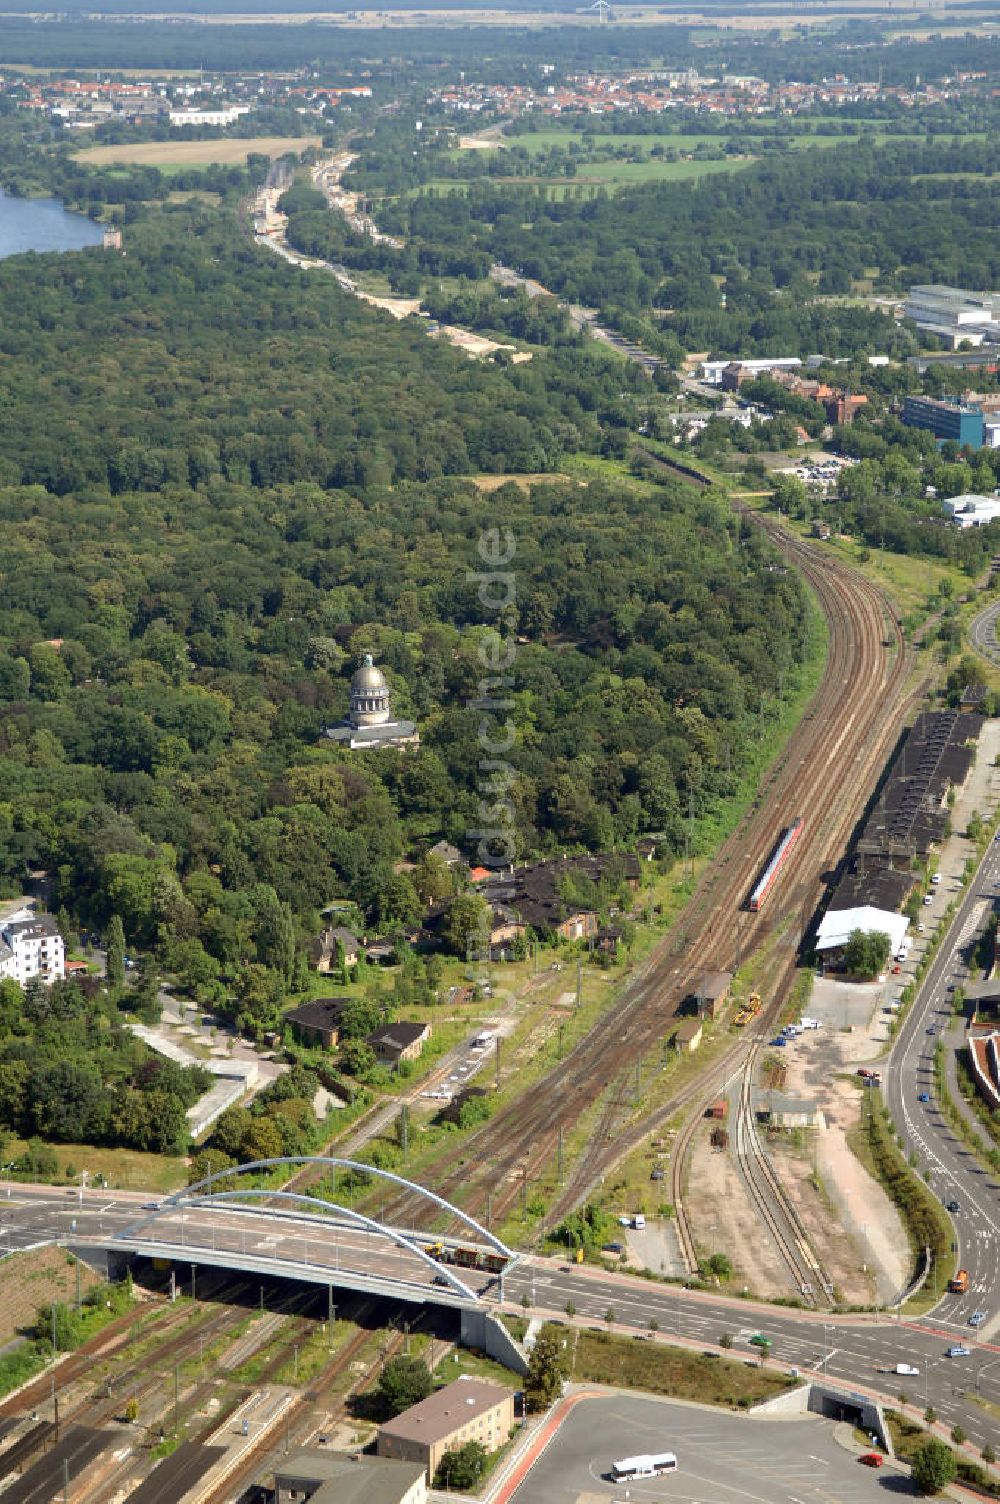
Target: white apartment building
31 946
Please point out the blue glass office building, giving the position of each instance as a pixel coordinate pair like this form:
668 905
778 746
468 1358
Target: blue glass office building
945 420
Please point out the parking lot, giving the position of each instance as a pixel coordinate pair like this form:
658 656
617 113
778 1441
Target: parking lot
722 1459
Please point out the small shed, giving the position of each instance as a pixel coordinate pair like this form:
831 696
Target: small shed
718 1109
688 1034
712 991
776 1110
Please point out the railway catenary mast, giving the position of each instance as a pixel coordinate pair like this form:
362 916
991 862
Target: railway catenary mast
774 866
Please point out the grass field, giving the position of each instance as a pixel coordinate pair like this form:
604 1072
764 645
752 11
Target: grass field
658 1369
595 175
30 1280
539 141
167 154
123 1169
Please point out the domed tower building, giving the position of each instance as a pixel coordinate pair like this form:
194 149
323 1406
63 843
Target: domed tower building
370 722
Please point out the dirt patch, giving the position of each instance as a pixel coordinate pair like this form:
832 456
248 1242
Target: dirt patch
821 1220
34 1278
525 480
822 1067
737 1230
195 153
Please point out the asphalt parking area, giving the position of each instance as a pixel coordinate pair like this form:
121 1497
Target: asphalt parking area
722 1459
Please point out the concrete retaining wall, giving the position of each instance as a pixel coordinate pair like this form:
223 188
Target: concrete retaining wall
482 1330
836 1403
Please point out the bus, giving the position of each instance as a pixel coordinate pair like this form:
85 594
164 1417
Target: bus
645 1466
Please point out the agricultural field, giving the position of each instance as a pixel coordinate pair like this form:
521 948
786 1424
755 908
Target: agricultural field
170 154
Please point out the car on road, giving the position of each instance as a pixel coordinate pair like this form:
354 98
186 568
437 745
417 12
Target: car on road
977 1318
953 1206
871 1459
958 1351
907 1369
151 1206
441 1279
759 1340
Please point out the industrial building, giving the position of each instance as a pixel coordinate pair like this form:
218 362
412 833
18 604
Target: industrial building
954 315
712 370
907 822
945 420
969 510
466 1410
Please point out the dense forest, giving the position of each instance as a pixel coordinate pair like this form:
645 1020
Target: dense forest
495 52
739 260
223 481
71 1072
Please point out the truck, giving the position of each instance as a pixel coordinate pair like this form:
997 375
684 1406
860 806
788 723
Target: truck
960 1283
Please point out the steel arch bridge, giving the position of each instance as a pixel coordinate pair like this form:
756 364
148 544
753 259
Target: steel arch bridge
315 1211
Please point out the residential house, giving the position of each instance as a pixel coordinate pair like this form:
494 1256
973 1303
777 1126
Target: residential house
447 852
323 951
31 946
467 1410
535 893
400 1041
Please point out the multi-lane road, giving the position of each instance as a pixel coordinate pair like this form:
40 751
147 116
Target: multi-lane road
857 1351
955 1175
853 1351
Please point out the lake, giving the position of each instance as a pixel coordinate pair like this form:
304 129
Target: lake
42 224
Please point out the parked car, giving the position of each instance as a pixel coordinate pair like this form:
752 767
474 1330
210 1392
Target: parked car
925 1096
871 1459
931 1029
936 878
928 900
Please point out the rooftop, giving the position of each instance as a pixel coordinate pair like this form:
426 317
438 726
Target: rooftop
339 1478
714 984
318 1013
399 1036
445 1411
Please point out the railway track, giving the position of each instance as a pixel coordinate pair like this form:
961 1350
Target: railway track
823 774
298 1419
768 1195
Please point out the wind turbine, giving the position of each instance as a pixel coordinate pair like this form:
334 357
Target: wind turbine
603 8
